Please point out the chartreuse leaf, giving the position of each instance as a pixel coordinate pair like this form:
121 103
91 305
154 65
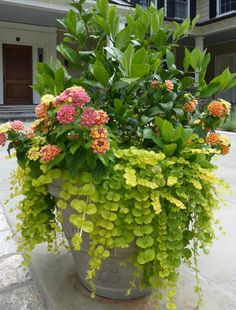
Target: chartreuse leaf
145 242
78 205
169 149
76 241
146 256
82 224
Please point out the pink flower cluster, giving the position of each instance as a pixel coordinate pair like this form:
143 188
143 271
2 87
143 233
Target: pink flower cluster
75 95
17 125
66 114
92 117
49 152
3 139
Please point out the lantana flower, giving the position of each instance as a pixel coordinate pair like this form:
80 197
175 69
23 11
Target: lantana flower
5 127
98 132
17 125
101 117
100 146
41 111
3 139
49 152
66 114
47 99
75 95
88 117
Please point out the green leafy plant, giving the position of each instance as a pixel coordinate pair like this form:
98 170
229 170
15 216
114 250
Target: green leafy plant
128 136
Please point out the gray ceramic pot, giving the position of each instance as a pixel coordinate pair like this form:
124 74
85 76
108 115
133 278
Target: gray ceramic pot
112 279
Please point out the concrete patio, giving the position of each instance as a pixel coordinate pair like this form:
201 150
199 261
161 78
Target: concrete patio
51 281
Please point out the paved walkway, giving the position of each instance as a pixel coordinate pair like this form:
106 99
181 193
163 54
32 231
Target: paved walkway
51 281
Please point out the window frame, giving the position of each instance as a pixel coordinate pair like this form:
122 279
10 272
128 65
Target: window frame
218 6
188 10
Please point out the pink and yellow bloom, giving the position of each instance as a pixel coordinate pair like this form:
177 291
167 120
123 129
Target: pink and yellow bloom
101 117
100 146
66 114
3 139
17 125
98 132
49 152
88 117
41 111
75 95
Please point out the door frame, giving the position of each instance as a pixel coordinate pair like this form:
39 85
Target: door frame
34 36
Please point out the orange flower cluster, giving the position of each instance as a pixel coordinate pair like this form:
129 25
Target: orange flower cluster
221 141
41 111
169 85
213 139
225 149
154 83
98 132
100 146
218 109
190 106
49 152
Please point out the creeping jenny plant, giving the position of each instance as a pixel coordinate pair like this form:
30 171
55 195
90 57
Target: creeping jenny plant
127 134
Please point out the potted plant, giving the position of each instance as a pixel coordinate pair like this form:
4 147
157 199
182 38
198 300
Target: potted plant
122 155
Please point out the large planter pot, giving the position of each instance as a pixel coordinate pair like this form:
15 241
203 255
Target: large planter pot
113 280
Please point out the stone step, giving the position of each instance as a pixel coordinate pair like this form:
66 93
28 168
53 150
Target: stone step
21 112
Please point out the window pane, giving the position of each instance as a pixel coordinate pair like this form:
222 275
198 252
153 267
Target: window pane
144 3
226 6
181 8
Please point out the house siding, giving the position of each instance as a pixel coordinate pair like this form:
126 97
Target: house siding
203 10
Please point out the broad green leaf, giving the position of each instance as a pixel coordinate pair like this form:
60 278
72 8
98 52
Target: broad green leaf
139 70
100 73
178 133
170 58
103 7
127 59
169 149
167 131
140 56
118 104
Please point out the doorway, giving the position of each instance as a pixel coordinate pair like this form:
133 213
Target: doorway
17 74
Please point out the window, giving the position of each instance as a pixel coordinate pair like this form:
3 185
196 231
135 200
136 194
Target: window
181 8
145 3
225 6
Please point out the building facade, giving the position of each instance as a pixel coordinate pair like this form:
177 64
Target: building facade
29 34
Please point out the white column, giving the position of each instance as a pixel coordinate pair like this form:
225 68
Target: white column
199 43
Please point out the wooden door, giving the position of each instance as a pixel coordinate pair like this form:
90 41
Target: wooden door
17 74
